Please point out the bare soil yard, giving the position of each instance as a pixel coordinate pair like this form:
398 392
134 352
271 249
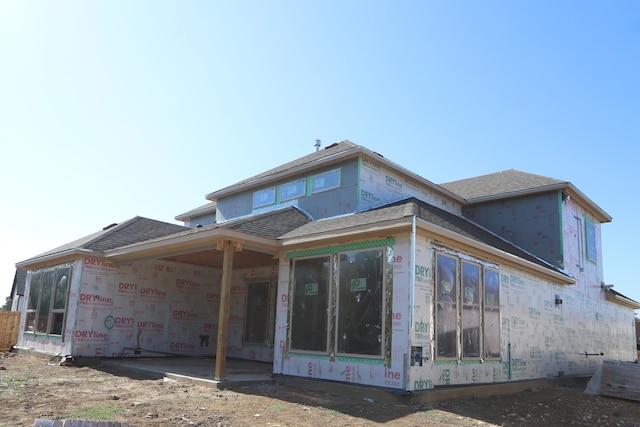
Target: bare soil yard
31 388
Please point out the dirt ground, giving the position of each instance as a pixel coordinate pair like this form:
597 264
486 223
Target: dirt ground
32 388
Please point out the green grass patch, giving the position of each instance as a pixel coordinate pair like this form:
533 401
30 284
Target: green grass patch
96 413
16 380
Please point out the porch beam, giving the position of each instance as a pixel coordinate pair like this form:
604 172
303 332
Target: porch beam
223 318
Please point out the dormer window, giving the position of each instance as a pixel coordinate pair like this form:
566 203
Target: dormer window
292 190
325 181
264 197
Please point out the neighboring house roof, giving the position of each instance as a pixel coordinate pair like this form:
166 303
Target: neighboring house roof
513 183
329 155
115 235
199 211
425 211
19 282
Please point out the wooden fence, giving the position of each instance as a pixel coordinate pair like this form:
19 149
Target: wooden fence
9 326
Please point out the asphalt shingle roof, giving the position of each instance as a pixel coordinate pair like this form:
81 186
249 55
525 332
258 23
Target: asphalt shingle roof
270 224
131 231
317 155
505 182
425 211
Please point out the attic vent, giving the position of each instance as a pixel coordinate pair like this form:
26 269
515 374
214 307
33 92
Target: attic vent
110 226
331 146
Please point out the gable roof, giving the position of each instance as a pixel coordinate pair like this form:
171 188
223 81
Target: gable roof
513 183
112 236
406 209
199 211
506 183
329 155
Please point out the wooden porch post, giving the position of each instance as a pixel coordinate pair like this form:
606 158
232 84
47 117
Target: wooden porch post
223 318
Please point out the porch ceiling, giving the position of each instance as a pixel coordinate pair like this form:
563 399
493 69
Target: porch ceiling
245 258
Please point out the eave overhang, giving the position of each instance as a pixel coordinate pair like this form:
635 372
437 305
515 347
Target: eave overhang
55 258
620 299
196 240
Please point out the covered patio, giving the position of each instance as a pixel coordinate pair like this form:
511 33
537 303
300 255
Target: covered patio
200 370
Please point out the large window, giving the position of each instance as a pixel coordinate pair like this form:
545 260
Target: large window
259 318
491 313
360 322
467 299
309 315
47 302
337 303
470 310
447 306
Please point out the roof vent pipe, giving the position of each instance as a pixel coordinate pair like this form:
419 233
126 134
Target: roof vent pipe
317 144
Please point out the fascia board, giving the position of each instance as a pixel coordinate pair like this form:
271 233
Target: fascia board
55 258
600 214
358 230
189 242
202 210
500 254
610 296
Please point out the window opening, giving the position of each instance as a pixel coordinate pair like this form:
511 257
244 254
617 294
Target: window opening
325 181
259 303
309 316
360 300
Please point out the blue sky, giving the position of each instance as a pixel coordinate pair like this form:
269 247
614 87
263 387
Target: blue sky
110 110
